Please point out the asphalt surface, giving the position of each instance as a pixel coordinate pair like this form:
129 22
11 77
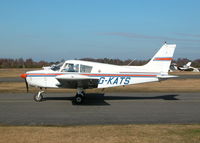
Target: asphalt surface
109 108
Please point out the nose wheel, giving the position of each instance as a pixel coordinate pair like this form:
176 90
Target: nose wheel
39 96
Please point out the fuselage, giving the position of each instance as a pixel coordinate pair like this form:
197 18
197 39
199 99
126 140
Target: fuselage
108 75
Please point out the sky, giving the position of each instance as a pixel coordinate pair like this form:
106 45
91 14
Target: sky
52 30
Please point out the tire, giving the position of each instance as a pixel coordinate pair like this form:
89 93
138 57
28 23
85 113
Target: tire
38 97
78 99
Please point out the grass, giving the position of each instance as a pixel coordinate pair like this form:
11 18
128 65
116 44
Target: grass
102 134
13 72
185 73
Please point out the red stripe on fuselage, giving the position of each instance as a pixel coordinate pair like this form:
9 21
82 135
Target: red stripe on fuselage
43 74
137 75
142 72
118 75
162 59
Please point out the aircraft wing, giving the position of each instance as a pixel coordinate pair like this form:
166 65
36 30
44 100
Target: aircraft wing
77 81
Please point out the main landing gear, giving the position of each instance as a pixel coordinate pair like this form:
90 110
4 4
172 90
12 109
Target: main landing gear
79 98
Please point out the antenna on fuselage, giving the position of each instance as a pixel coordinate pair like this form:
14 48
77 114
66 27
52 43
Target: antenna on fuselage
131 62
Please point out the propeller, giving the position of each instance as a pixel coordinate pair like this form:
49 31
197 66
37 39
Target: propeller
24 76
26 85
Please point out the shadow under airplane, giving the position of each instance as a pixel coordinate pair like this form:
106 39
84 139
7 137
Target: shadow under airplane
99 98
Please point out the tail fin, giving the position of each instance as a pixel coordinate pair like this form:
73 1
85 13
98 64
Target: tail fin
189 64
162 59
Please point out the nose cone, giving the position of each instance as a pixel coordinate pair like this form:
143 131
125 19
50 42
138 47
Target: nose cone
23 75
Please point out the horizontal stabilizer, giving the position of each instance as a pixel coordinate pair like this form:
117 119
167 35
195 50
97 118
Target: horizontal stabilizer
166 76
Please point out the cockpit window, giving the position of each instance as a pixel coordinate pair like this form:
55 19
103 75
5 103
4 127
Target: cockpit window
71 68
56 67
85 69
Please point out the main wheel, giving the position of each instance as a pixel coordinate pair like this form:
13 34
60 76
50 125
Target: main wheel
79 99
38 97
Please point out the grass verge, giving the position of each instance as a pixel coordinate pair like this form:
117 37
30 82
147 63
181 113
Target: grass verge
13 72
102 134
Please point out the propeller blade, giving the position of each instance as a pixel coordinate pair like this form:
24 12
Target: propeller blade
26 85
24 76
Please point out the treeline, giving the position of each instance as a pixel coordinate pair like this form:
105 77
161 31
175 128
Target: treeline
30 63
21 63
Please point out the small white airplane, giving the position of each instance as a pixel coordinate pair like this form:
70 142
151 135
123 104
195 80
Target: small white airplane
173 67
188 67
83 75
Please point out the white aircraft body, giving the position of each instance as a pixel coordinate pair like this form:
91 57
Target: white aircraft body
188 67
83 75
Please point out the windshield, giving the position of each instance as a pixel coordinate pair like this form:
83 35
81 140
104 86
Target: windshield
56 67
71 68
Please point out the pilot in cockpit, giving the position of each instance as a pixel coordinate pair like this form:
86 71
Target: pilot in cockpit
71 68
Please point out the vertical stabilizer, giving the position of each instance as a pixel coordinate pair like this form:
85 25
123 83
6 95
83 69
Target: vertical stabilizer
162 59
188 64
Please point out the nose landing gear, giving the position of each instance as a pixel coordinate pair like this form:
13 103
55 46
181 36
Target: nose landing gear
39 96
